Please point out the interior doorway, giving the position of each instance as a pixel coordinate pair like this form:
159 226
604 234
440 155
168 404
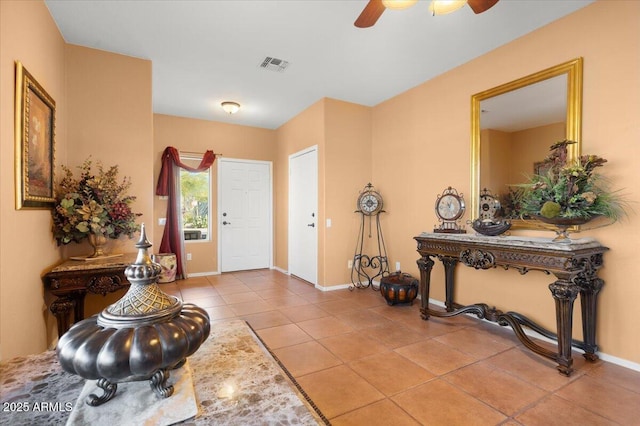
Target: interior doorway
303 214
245 209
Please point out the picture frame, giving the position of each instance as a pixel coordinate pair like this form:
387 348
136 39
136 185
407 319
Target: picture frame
541 168
35 125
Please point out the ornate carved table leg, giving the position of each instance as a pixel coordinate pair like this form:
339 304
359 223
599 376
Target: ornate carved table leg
78 313
588 303
61 308
590 286
564 292
449 280
425 264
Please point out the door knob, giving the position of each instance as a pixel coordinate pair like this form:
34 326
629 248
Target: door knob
226 223
312 225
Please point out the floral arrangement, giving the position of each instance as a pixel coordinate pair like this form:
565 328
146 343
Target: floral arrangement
569 190
93 204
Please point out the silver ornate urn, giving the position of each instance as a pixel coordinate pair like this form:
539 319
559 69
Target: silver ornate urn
140 337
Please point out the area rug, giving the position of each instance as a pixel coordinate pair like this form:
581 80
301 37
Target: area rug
237 381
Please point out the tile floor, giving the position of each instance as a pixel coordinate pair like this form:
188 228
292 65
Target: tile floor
366 363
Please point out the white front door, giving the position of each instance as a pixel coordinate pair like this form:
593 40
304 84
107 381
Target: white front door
303 215
244 214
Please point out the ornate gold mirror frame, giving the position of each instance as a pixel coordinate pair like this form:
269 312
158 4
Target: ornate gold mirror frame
573 125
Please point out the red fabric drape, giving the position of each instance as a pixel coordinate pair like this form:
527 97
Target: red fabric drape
171 238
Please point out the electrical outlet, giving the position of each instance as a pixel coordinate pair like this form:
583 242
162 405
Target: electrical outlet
162 221
349 264
188 256
397 266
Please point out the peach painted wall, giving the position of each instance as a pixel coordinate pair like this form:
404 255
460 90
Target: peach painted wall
496 152
427 129
532 145
111 119
303 131
342 132
508 157
27 247
232 141
347 169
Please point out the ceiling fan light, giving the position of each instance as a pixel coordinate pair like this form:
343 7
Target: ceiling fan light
230 107
442 7
398 4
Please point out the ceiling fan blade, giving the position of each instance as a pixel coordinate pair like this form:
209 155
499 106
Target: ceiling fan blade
370 14
479 6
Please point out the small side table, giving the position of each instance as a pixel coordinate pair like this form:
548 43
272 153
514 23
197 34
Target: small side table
73 279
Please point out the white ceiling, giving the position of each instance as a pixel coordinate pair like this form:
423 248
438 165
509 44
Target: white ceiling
205 52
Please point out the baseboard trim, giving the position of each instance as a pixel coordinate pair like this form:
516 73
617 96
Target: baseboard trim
376 286
280 270
202 274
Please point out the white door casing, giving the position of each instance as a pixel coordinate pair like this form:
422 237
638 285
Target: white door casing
244 214
303 214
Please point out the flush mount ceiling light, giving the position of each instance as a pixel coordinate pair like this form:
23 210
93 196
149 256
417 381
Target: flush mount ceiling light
442 7
230 107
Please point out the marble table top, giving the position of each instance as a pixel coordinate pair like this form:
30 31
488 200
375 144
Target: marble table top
515 241
237 382
117 262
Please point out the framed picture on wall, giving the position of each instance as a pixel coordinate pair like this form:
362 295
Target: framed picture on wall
541 168
35 130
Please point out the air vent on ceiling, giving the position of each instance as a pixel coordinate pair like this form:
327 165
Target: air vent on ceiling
274 64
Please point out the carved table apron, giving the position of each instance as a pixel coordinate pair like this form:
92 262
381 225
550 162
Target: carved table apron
73 279
575 266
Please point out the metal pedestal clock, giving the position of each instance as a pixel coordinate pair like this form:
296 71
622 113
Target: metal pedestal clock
365 268
449 209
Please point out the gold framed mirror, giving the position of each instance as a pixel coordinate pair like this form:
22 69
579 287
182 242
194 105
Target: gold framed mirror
514 124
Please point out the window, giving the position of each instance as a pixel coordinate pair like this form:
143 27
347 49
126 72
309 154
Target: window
194 203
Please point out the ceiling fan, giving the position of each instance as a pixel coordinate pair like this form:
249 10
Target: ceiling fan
373 10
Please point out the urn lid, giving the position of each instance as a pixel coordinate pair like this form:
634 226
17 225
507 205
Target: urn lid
145 303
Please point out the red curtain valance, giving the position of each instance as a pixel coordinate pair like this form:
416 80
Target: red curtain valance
171 156
167 186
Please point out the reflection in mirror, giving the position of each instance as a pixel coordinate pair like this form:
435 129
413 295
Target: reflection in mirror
513 126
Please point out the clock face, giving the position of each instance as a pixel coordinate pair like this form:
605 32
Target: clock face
370 203
488 207
449 207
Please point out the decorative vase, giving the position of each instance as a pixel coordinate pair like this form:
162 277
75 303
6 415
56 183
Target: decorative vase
399 287
142 336
562 225
169 264
98 242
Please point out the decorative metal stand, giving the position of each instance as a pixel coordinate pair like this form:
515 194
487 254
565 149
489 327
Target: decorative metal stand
365 269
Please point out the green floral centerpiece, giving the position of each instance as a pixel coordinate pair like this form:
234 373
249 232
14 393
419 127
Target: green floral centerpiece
570 193
93 205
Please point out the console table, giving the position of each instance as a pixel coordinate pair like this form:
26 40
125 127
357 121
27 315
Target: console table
73 279
575 266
